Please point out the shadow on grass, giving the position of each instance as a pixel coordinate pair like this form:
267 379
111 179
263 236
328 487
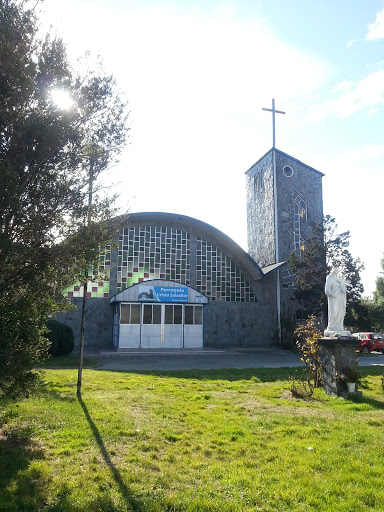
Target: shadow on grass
22 484
123 488
228 374
375 404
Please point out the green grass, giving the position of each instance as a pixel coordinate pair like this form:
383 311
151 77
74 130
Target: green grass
224 440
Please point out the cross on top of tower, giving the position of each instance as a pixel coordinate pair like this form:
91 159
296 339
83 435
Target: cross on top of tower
274 111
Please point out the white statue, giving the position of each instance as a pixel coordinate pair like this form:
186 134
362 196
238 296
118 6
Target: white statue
336 291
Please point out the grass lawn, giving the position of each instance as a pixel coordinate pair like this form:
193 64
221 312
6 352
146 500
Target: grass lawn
218 440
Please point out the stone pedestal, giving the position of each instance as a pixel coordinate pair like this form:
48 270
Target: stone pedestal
336 354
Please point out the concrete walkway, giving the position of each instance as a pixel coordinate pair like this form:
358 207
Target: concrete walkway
206 359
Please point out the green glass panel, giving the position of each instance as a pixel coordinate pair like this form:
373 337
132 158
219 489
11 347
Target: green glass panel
146 268
129 281
135 277
130 250
119 261
106 286
100 291
141 272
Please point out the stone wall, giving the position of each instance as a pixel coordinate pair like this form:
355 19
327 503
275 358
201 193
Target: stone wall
98 323
260 212
306 182
242 324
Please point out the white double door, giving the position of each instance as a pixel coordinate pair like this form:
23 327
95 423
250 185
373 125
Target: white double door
162 326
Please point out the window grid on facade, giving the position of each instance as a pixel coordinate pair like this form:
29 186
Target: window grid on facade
218 277
299 217
151 252
98 283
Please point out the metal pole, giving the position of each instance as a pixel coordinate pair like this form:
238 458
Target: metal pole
85 287
81 355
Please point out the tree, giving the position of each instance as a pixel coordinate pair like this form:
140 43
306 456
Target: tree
325 247
48 234
378 294
310 274
366 315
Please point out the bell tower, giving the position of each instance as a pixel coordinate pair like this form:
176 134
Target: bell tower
284 204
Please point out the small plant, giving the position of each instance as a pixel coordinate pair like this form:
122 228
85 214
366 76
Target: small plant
307 343
300 388
382 382
61 337
349 374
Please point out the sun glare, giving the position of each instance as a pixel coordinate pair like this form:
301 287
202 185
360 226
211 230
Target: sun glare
62 99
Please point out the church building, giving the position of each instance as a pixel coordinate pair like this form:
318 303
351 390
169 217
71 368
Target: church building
177 282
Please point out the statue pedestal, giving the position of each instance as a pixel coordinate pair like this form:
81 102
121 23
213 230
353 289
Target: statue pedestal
336 354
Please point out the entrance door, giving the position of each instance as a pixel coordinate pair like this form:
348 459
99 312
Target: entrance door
173 326
149 325
129 332
151 329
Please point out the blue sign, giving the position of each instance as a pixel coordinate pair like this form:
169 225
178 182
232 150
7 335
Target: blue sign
170 294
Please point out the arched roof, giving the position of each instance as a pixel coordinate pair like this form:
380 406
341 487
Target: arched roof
205 231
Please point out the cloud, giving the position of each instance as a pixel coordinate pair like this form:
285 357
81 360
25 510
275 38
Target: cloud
376 29
349 97
211 58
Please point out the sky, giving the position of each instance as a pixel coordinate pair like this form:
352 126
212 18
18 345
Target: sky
197 74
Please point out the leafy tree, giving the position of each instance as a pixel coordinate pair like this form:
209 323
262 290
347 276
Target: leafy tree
310 274
49 158
336 249
378 294
366 315
325 247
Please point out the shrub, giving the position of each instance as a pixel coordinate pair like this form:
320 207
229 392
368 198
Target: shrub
300 387
307 343
61 337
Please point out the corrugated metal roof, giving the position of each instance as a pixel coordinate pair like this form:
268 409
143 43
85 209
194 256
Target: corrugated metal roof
271 268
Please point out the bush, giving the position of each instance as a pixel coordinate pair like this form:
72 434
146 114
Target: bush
61 337
307 343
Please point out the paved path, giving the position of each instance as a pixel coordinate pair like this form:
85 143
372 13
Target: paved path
207 359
